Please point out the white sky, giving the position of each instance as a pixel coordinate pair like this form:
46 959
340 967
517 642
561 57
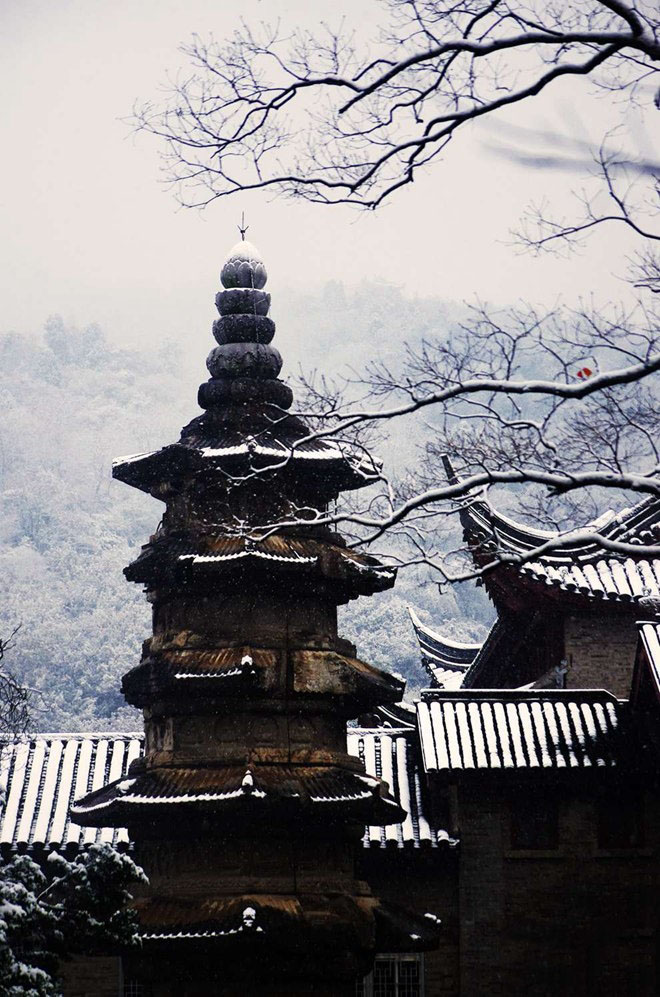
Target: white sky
89 233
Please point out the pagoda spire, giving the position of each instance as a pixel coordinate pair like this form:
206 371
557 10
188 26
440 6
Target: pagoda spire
244 367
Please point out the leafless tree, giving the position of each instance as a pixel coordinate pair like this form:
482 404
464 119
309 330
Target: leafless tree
322 117
328 119
15 698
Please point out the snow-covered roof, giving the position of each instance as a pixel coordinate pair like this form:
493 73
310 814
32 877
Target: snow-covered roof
445 659
582 566
43 774
230 792
515 729
285 443
392 753
186 557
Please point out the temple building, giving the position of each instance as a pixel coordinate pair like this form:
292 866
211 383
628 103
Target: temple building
304 828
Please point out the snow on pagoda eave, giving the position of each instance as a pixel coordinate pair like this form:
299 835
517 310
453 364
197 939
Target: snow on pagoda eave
148 471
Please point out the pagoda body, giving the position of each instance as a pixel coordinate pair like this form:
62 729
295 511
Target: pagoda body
246 809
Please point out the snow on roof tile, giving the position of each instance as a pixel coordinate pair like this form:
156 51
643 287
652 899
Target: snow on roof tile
44 773
581 566
446 660
512 729
392 753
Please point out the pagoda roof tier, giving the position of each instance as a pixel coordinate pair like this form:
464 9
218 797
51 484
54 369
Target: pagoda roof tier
181 559
239 442
285 920
321 793
234 671
446 660
583 567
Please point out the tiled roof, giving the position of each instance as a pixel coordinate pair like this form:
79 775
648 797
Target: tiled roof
42 775
446 660
392 754
284 442
45 773
512 729
584 566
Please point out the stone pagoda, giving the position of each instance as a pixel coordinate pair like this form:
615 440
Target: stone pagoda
246 810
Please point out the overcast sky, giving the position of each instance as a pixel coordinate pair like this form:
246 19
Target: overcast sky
88 232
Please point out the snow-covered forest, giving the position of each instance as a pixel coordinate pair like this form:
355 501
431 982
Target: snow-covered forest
72 401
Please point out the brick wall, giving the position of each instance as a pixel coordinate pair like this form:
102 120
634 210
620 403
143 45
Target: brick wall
92 976
600 651
578 921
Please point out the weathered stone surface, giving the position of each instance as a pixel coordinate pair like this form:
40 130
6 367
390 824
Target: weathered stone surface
244 360
242 301
244 267
328 673
227 391
243 329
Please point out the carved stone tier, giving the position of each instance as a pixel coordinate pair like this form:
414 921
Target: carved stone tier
181 677
232 441
176 560
232 795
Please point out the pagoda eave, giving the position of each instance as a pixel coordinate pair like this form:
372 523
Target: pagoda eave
240 794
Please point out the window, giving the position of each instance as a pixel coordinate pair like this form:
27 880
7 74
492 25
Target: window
620 822
534 824
133 988
397 975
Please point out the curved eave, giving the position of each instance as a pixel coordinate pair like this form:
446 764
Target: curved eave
236 794
325 465
446 660
154 678
173 561
444 650
482 522
582 569
258 919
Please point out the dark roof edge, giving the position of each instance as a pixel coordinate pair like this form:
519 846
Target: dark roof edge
521 695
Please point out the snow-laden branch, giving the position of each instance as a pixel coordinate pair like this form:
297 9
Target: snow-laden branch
308 115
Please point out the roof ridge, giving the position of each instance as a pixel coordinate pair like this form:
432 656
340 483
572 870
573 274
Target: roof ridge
70 734
442 638
436 695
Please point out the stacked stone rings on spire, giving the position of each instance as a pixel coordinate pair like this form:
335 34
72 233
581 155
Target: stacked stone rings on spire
244 368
